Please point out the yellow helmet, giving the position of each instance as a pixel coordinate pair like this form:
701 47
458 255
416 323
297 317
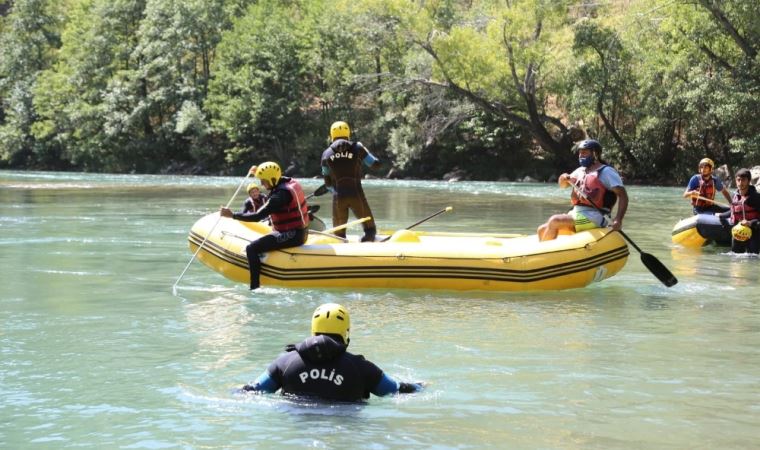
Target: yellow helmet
707 162
339 130
331 318
253 186
269 171
741 233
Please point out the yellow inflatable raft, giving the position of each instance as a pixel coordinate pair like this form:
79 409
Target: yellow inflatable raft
416 260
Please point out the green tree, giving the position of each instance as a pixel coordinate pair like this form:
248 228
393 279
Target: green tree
256 98
175 51
29 39
727 89
505 58
703 56
83 99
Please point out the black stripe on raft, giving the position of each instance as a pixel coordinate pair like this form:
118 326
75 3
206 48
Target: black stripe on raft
417 271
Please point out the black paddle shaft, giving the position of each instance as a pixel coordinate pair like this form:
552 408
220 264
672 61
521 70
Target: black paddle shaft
320 191
448 208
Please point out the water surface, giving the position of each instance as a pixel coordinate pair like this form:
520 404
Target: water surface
96 352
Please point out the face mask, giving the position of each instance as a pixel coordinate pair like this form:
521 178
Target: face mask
587 161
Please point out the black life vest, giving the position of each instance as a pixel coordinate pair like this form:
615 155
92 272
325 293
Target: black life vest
320 367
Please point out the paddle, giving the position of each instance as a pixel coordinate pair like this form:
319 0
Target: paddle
446 209
320 191
321 233
240 186
346 225
654 265
722 205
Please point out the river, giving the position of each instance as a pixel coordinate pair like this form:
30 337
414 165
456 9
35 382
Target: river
97 352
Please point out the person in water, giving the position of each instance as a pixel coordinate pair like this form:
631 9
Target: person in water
320 367
744 215
255 199
342 169
288 210
596 188
702 188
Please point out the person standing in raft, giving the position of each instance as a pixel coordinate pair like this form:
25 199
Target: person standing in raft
600 185
744 215
342 169
702 188
320 367
255 199
288 210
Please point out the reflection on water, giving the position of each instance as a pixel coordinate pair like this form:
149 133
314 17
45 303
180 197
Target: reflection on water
218 325
97 352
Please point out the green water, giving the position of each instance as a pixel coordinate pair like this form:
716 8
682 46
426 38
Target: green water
96 352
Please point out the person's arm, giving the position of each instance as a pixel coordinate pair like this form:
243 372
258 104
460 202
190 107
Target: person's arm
369 159
251 216
622 207
388 385
264 383
754 202
692 189
327 177
275 202
326 174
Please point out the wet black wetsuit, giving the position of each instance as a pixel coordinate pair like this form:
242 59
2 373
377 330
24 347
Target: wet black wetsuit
321 367
342 168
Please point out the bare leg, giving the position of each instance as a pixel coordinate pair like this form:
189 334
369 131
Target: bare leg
554 225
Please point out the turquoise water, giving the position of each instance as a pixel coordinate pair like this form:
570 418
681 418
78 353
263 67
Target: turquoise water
96 352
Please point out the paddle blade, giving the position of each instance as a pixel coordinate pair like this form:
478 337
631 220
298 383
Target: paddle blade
320 190
658 269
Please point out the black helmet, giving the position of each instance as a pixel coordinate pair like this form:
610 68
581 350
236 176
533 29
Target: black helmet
591 144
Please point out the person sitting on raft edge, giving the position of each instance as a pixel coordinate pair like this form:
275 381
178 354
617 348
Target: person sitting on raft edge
286 206
596 188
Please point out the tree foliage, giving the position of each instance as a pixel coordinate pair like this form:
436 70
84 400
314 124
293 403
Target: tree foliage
492 88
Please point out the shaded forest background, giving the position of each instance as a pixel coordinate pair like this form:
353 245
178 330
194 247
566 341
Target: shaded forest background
491 90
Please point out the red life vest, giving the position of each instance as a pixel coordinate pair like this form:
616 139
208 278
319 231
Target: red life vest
596 194
706 190
295 215
741 211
